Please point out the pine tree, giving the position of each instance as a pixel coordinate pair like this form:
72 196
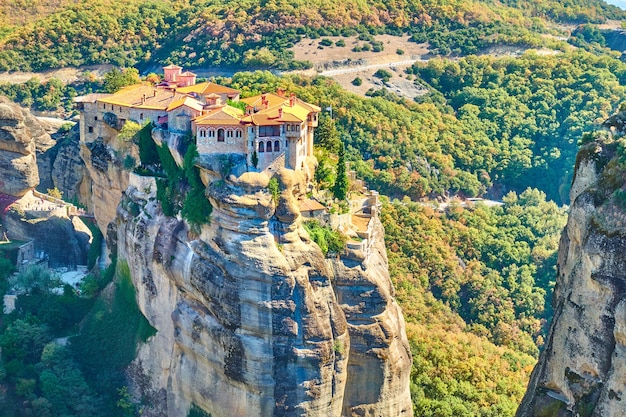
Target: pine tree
326 135
340 189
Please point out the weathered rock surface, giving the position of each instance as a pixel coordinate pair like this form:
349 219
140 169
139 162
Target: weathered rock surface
252 319
62 167
20 136
64 240
582 370
107 178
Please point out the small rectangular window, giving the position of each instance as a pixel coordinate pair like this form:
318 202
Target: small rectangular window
95 118
90 129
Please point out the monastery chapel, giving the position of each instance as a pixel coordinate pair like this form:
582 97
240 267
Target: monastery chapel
274 130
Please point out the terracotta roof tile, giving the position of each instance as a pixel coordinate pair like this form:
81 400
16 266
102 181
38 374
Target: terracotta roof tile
208 87
225 115
310 204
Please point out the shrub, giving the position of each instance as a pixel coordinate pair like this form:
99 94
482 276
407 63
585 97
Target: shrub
377 46
329 241
383 74
55 193
340 43
196 207
326 42
357 81
129 162
129 130
196 411
274 189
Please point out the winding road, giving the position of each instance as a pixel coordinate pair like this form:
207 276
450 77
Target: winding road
358 68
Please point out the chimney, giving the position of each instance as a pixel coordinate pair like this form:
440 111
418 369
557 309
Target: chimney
280 112
143 99
280 92
154 92
292 100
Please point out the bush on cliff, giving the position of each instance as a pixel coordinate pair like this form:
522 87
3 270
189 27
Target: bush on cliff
329 240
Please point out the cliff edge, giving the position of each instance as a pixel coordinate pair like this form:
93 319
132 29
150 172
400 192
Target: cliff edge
582 369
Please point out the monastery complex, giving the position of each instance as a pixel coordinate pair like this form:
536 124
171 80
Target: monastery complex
274 128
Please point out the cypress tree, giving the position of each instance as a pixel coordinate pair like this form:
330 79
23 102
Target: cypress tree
340 189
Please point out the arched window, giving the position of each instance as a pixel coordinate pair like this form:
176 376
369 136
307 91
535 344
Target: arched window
238 133
211 133
261 147
276 146
269 146
229 133
220 135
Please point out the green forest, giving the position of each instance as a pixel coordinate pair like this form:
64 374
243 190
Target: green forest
252 33
474 281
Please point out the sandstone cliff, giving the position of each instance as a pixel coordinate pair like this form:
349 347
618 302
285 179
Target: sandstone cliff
251 318
581 371
21 136
62 167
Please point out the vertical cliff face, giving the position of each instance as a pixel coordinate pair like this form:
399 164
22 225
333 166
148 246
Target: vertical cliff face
582 370
251 318
62 167
21 136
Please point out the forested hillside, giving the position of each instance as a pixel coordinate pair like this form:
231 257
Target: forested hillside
258 34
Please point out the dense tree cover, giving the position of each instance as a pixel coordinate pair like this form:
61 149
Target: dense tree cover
258 33
568 11
494 266
529 111
55 96
41 374
33 367
473 284
50 95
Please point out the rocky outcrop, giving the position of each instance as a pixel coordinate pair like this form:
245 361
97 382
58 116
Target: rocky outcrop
379 362
108 180
62 167
581 371
251 318
65 241
21 136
